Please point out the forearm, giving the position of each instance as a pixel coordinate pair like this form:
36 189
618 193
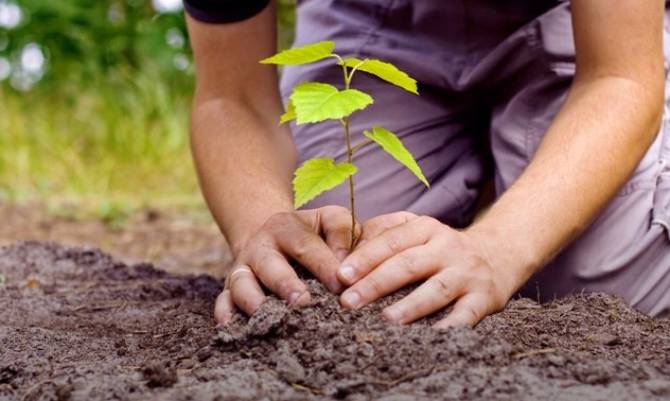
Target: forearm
244 162
588 153
244 159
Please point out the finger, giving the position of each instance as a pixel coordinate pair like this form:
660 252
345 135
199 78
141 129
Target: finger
307 248
396 272
274 271
436 293
379 224
224 308
467 312
245 291
336 227
376 250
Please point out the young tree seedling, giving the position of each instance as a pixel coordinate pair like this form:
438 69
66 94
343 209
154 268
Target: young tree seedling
314 102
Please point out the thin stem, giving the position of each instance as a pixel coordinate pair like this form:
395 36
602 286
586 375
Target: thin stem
340 61
361 145
353 71
352 199
350 156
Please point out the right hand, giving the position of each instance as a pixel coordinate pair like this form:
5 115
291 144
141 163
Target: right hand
318 239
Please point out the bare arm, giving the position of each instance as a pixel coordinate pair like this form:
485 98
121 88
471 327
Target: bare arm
244 159
245 163
603 130
608 122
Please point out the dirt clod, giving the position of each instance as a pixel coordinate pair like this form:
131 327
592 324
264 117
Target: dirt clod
105 330
158 375
605 339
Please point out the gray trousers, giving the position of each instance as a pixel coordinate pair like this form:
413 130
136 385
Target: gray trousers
493 74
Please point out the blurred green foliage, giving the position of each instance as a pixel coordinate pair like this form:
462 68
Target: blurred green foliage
104 118
86 40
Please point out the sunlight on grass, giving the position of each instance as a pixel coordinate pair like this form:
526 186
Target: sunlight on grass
94 105
119 141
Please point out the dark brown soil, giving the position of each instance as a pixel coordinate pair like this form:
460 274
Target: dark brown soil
77 325
178 241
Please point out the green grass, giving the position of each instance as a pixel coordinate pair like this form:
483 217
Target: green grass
108 146
112 143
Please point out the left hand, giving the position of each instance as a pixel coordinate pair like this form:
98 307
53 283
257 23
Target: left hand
401 248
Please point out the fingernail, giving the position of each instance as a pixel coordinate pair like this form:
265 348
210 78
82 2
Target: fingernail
294 297
351 299
348 273
392 315
341 254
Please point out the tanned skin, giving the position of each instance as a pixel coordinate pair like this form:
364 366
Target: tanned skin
609 120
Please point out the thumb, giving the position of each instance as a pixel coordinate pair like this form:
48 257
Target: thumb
334 223
377 225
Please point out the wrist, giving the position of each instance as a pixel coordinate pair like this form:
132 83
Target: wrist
513 258
242 229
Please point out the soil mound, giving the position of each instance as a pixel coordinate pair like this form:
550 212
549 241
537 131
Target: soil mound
77 325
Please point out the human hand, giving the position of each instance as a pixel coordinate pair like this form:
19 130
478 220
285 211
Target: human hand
401 248
318 239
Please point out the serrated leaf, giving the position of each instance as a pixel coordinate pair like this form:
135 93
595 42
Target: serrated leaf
394 146
317 176
302 55
315 102
386 71
289 115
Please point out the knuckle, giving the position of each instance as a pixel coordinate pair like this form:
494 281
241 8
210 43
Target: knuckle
400 217
441 285
264 258
279 220
408 265
393 243
284 285
363 262
375 286
244 258
302 246
407 215
471 312
428 221
483 282
497 300
233 280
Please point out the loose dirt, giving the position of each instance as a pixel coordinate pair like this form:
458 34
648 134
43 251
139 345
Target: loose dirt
77 325
178 241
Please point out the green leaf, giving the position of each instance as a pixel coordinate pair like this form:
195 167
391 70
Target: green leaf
317 176
315 102
386 71
393 146
302 55
289 115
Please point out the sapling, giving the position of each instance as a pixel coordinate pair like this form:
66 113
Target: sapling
314 102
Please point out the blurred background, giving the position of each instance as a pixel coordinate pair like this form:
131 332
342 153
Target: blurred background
94 104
